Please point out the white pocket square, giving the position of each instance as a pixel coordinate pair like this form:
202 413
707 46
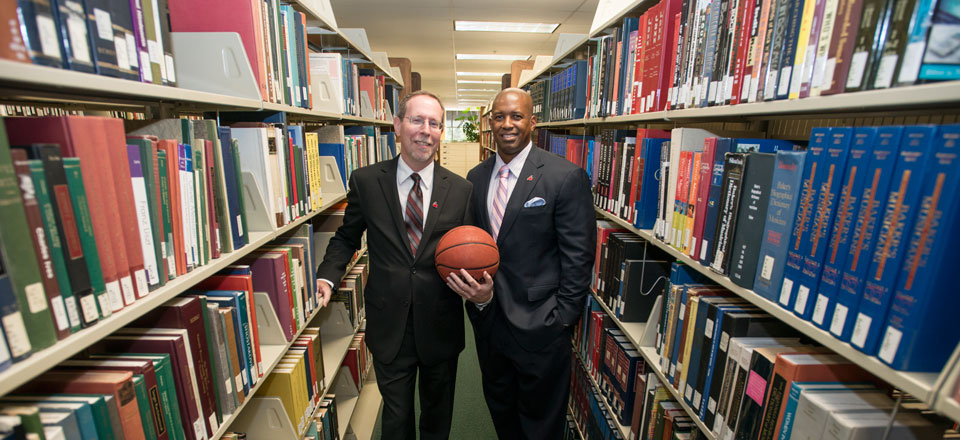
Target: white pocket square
534 202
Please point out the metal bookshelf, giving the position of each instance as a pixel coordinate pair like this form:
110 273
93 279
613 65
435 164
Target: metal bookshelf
40 361
923 386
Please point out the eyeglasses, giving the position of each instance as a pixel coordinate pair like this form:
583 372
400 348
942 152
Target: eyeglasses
418 122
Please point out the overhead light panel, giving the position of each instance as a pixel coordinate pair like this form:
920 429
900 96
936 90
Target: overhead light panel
503 26
477 90
479 74
476 81
491 57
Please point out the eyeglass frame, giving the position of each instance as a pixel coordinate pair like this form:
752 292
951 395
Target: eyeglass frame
418 122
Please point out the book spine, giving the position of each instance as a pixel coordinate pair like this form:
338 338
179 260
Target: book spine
828 25
869 34
748 232
85 227
733 169
142 210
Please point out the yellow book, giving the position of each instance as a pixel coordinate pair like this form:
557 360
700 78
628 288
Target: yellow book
682 363
280 384
802 50
312 141
691 203
289 361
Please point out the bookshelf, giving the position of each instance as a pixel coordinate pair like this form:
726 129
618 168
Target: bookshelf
624 430
21 372
364 417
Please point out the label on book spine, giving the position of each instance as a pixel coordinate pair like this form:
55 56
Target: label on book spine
839 318
36 298
59 313
891 341
16 333
88 306
4 351
126 286
141 276
114 295
73 313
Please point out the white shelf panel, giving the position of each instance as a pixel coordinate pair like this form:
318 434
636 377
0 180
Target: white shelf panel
624 430
920 385
366 120
21 372
334 352
653 363
344 407
364 417
562 56
55 80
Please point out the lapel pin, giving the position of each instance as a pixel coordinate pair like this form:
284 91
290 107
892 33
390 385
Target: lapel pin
530 178
434 204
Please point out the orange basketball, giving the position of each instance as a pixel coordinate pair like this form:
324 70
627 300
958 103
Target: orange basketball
467 247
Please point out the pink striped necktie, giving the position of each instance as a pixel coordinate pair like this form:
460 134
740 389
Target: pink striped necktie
499 201
413 214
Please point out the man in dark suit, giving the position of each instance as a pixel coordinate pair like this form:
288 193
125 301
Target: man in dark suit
538 207
414 322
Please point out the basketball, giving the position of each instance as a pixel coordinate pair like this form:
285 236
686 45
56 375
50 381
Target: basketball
467 247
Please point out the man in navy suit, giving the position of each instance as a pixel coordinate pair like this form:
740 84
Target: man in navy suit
414 322
539 209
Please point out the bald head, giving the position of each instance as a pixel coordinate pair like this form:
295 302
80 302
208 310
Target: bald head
513 94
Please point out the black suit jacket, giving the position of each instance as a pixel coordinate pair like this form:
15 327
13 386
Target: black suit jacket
546 252
397 280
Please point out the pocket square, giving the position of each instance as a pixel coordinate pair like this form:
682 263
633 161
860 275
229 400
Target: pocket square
534 202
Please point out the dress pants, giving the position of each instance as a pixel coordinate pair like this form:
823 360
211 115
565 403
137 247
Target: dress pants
526 391
396 380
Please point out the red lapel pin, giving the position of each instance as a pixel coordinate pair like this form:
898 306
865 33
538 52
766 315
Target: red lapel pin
434 204
530 178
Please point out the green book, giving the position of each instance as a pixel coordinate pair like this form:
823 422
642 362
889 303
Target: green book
220 191
148 166
82 410
143 404
98 406
200 184
81 209
220 397
170 262
297 162
168 391
239 176
21 265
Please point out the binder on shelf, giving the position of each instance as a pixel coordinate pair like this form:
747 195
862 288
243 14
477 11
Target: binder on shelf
214 62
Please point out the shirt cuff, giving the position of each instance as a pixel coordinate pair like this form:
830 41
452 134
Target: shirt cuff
481 306
329 283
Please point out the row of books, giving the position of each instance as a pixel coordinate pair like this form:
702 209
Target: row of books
684 54
587 409
105 215
324 425
353 90
356 146
298 379
629 272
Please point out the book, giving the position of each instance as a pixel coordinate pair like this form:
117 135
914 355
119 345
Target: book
754 201
814 409
145 227
885 156
39 32
81 209
781 213
733 169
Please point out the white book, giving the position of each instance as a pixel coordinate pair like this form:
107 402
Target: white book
814 409
253 148
142 208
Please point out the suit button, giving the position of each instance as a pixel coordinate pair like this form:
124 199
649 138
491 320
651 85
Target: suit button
413 270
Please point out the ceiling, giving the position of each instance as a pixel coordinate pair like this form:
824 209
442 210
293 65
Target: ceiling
422 30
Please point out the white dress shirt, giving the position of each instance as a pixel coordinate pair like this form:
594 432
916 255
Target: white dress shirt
515 166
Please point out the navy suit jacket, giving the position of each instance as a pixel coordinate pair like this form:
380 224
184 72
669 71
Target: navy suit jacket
546 252
398 280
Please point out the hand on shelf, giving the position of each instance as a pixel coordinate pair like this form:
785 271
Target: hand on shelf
323 286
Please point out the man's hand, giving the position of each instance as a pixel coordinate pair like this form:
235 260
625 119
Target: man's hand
469 288
325 292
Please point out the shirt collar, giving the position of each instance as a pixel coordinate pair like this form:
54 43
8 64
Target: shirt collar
404 172
515 165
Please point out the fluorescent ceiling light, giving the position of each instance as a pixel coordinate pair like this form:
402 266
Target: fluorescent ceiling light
503 26
477 90
491 57
479 74
476 81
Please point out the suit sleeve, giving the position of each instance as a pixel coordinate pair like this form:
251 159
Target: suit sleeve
576 236
346 240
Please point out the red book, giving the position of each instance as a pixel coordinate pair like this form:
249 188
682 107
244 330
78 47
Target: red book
116 149
667 33
81 137
37 236
188 396
310 358
176 221
244 283
225 16
845 29
641 43
214 230
604 229
743 65
704 175
186 313
134 366
118 384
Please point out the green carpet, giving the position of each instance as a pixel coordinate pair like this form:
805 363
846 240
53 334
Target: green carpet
471 419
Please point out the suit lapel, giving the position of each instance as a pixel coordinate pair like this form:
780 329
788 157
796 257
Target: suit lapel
486 169
438 198
526 181
388 184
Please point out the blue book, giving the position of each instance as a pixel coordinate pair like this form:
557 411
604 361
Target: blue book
747 145
798 245
708 359
32 13
922 320
793 399
391 143
829 179
848 202
939 60
688 386
335 150
724 146
884 157
916 148
579 90
708 87
236 299
789 49
781 213
238 225
648 190
682 298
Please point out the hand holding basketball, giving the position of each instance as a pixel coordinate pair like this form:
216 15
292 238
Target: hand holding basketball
469 248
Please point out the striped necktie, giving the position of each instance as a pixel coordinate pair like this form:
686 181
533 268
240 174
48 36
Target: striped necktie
413 214
499 201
